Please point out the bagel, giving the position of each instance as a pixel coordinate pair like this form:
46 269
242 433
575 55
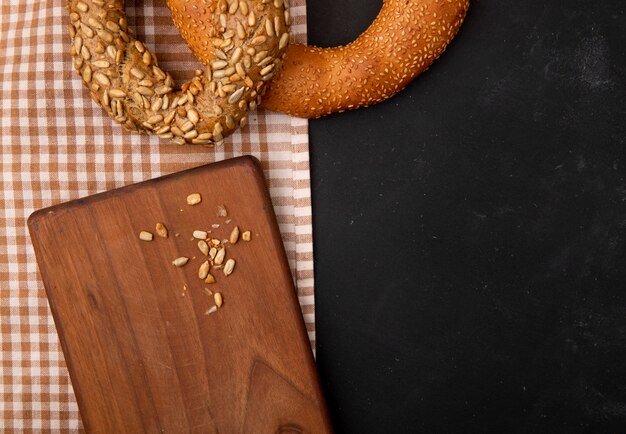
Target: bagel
124 77
406 37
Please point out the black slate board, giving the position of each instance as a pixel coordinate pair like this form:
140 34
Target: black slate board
470 233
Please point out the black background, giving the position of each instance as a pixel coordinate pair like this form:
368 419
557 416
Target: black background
469 233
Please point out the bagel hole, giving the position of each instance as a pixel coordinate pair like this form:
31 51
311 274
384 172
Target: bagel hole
327 20
152 24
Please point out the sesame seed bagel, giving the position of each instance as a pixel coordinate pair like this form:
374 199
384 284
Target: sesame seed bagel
124 77
406 37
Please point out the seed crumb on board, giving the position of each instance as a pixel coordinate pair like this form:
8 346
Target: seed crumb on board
213 248
194 199
161 230
179 262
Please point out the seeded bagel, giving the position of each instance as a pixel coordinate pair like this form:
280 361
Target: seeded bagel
406 37
124 77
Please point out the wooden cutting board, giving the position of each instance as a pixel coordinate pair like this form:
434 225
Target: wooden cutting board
142 351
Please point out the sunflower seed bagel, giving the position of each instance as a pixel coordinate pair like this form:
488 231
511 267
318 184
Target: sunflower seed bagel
406 37
125 79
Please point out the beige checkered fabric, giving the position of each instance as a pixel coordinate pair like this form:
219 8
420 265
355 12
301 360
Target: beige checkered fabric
56 145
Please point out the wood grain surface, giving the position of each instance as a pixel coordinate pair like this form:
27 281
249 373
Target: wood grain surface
142 353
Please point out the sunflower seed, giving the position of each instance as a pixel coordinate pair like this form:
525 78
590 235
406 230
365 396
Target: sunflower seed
229 88
194 199
229 267
258 40
146 58
260 56
278 3
203 271
193 115
263 63
212 253
119 57
234 235
269 27
217 297
247 61
211 310
218 64
277 26
82 7
162 90
111 52
156 104
145 236
146 102
169 118
114 27
161 230
267 69
233 7
179 262
284 40
204 247
101 63
78 43
137 73
146 82
191 135
240 70
155 119
241 33
87 74
166 102
117 93
105 36
251 19
140 47
98 2
177 131
223 20
229 121
187 126
85 53
236 96
163 130
218 129
219 258
237 54
160 74
102 79
86 30
145 91
244 7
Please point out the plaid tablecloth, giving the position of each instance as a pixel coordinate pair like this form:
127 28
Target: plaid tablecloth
56 145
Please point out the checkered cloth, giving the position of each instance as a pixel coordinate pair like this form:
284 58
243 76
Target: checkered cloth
57 145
